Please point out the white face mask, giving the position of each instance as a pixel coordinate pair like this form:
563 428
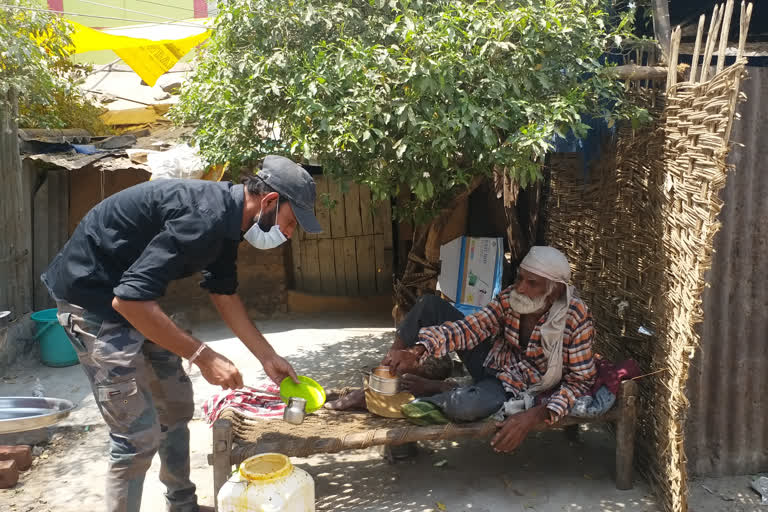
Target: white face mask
265 240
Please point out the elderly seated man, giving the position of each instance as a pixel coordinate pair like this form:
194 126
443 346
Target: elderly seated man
533 340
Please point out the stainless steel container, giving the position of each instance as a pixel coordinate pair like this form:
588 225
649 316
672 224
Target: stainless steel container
382 381
296 411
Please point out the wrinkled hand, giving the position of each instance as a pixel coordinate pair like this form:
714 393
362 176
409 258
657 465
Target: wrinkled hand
387 361
278 369
403 361
516 428
218 370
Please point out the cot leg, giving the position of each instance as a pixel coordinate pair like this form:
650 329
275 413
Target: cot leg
398 453
625 435
222 462
572 433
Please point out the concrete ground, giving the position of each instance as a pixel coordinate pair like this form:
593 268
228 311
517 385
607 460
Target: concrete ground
547 474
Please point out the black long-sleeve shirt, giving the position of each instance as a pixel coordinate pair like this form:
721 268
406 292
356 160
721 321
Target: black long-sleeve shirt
132 244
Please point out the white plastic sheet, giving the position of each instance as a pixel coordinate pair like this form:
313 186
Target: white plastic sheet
181 161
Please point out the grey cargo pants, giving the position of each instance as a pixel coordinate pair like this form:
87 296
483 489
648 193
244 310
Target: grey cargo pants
146 400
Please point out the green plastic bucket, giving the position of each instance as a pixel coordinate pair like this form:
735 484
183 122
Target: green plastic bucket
55 348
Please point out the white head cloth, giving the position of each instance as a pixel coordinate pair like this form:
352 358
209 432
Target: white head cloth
551 264
547 262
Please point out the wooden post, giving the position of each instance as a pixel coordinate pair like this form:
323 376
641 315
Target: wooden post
714 26
673 56
697 47
222 462
16 280
725 29
625 435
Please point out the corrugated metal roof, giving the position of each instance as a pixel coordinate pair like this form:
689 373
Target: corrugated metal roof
727 428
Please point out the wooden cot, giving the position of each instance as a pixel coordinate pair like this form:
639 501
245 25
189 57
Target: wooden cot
235 437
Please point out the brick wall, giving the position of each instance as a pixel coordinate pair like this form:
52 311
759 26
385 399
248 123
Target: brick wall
263 279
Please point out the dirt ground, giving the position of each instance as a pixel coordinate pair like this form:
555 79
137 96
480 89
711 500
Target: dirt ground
548 473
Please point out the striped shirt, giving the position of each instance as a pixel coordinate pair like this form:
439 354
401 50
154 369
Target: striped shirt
519 369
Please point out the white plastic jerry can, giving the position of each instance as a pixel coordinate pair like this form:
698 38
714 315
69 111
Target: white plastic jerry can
268 483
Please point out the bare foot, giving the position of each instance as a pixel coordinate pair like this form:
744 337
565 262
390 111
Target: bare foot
354 399
419 386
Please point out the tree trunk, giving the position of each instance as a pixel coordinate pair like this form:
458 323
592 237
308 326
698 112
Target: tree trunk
423 266
522 210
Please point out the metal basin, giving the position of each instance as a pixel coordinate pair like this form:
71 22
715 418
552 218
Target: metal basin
21 413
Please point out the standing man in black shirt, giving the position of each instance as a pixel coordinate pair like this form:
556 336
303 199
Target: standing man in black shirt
106 282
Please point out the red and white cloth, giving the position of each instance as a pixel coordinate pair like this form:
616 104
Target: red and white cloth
259 401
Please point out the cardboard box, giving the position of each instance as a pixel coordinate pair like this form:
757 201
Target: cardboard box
470 272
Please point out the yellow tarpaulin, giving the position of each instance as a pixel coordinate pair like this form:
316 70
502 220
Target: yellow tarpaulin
148 58
132 116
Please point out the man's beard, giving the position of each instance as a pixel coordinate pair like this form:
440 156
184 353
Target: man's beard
268 219
525 305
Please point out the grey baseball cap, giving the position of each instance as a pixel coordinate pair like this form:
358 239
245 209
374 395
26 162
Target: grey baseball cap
293 183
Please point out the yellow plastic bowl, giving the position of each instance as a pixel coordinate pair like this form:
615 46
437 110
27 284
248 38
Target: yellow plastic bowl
307 389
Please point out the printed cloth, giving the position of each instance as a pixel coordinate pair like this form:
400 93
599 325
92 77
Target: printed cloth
603 395
259 401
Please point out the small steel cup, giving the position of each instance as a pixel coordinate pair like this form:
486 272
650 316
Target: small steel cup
295 412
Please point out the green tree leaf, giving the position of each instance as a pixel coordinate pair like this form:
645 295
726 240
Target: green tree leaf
415 94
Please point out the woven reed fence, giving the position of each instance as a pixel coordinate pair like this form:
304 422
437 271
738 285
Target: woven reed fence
639 236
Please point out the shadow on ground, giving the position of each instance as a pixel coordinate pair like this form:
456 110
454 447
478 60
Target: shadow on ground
61 477
724 494
340 364
546 474
291 322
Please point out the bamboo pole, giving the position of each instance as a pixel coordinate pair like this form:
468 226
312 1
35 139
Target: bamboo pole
674 52
697 47
714 25
744 20
726 27
651 62
635 72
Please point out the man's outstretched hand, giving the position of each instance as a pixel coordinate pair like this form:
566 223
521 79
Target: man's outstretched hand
516 428
218 370
278 369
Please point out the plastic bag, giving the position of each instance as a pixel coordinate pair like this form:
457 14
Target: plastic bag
180 161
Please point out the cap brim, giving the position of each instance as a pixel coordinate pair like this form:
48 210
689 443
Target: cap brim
306 219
